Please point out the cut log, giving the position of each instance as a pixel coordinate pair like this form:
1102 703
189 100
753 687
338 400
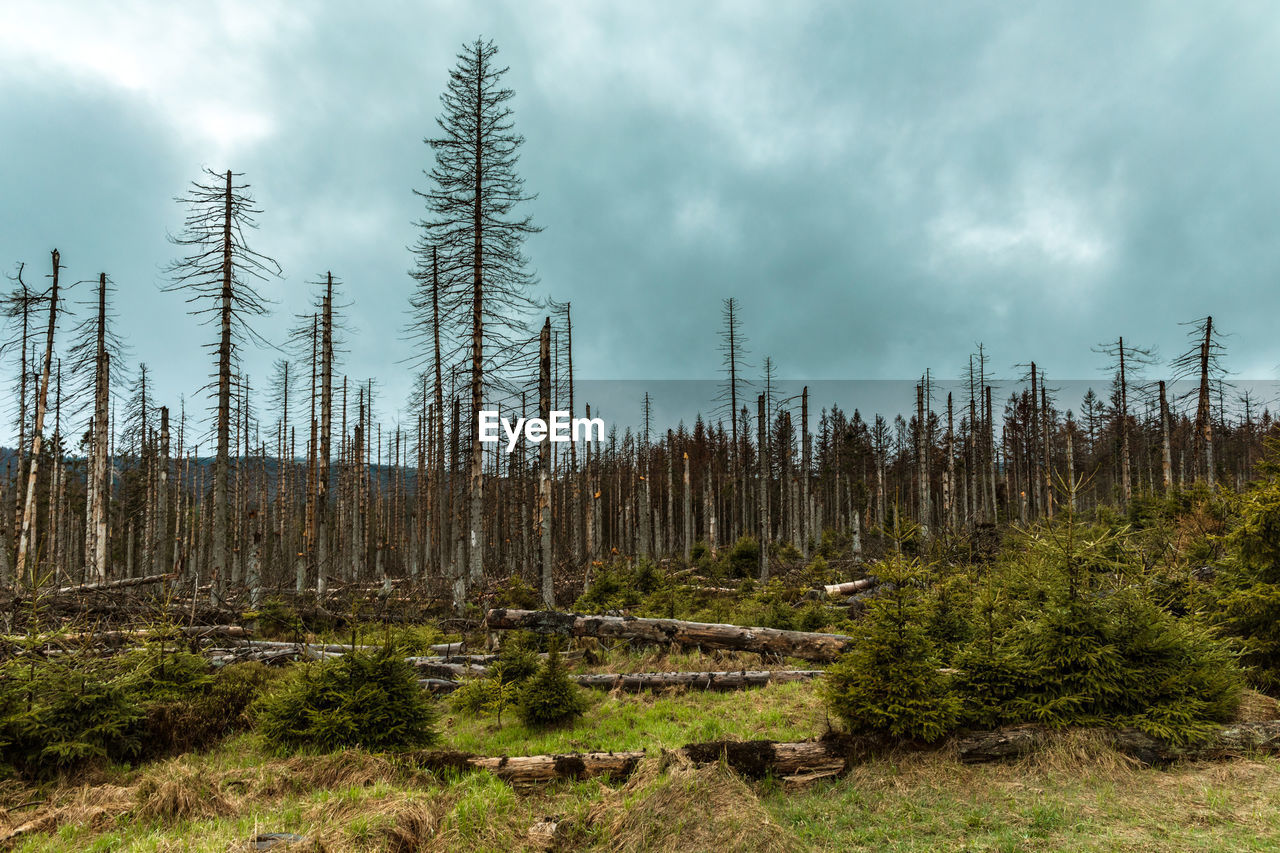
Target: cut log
849 588
798 644
634 682
1017 741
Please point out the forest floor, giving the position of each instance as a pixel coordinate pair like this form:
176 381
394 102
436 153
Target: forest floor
1073 796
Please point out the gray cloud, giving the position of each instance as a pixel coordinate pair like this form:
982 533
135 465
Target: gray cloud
881 185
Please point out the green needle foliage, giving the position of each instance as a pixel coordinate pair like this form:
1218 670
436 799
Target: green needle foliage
56 715
362 699
550 698
891 684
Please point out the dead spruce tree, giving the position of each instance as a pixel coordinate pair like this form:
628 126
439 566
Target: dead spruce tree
26 537
218 277
1127 362
1203 364
95 362
473 193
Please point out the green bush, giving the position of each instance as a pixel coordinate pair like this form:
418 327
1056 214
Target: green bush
549 697
890 684
365 699
196 719
743 559
58 714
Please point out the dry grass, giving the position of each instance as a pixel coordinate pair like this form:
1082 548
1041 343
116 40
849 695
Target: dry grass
670 805
1255 707
175 790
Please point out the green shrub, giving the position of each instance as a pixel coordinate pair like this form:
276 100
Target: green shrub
276 620
890 684
549 697
58 714
743 559
365 699
197 720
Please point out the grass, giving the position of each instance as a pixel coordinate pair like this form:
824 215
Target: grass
617 722
928 802
358 802
1077 796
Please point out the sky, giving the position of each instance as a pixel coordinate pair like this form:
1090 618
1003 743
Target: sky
881 185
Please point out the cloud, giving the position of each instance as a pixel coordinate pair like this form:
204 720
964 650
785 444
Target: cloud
881 185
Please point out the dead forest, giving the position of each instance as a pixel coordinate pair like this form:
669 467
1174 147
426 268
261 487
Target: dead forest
291 484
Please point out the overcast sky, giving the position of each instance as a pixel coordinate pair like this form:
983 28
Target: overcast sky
881 184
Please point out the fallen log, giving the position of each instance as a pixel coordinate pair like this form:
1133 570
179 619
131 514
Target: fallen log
634 682
1018 741
121 636
850 587
109 585
752 759
798 644
445 669
443 680
438 685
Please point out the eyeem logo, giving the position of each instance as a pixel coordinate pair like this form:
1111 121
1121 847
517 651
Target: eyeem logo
536 430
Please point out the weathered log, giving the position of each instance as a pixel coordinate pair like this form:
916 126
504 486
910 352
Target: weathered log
753 759
1017 741
758 758
438 685
446 669
533 769
108 585
122 636
633 682
798 644
850 587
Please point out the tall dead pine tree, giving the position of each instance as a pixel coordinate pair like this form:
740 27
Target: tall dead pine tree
27 534
1203 363
474 191
218 277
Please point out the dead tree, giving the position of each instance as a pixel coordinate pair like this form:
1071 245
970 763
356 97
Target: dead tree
27 534
218 277
1203 363
474 190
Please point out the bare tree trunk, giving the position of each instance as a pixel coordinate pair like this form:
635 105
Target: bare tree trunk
687 511
26 540
544 467
163 534
1166 454
324 557
763 489
1126 486
221 512
806 451
1204 419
